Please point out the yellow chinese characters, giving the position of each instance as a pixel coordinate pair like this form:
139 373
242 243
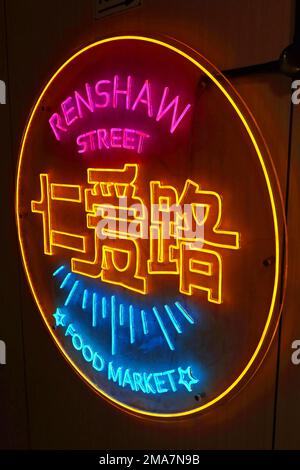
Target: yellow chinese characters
129 239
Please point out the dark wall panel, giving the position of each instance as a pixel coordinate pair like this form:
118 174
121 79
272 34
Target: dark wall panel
13 396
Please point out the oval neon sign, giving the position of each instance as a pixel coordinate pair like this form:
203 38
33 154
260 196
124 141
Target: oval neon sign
142 238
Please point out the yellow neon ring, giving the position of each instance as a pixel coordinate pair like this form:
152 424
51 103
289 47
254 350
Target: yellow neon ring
271 195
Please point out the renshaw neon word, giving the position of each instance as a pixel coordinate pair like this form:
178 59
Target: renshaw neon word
117 93
128 260
101 139
172 380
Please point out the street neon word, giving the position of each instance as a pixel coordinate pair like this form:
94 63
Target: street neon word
104 139
118 93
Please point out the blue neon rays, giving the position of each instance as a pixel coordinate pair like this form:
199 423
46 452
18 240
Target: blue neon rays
165 321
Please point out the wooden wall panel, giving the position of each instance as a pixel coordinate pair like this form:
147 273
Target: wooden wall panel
288 410
63 412
13 412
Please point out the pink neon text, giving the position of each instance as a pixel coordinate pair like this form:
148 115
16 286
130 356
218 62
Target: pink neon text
119 93
130 139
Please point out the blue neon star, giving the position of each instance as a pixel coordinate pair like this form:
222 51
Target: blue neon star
59 318
186 378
